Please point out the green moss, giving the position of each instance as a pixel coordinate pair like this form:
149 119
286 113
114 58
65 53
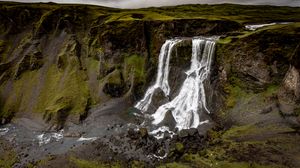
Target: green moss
236 91
8 157
239 13
137 164
248 130
93 164
93 67
88 164
244 34
239 131
30 165
137 15
225 40
174 165
134 65
2 44
245 143
297 112
115 77
240 165
271 90
63 91
234 94
179 147
20 95
195 160
217 159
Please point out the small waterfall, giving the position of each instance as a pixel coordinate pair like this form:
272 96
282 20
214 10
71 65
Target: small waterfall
162 75
190 102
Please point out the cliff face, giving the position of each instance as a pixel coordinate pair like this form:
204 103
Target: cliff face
260 72
59 61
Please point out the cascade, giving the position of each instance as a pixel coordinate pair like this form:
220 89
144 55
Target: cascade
186 107
162 75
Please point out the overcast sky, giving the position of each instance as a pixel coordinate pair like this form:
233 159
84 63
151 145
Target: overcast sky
148 3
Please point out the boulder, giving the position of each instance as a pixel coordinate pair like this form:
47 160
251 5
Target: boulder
143 132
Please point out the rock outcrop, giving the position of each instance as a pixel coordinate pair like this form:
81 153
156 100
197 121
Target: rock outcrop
58 61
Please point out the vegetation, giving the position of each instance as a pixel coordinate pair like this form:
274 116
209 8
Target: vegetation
240 13
59 60
8 156
135 65
92 164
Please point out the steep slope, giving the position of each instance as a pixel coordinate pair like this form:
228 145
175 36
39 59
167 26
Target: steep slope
62 65
57 61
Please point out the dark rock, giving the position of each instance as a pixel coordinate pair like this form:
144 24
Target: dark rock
143 132
169 120
167 135
179 147
192 131
132 134
183 133
266 110
202 129
289 97
158 99
72 134
114 90
286 109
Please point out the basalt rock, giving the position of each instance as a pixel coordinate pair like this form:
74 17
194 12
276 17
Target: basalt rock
71 52
289 97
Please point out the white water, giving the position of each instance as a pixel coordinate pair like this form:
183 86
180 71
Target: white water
3 131
45 138
87 139
257 26
159 133
187 106
162 75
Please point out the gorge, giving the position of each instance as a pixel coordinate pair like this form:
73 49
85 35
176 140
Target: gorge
184 86
190 103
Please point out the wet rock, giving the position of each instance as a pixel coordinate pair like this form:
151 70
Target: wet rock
192 131
202 129
158 99
183 133
72 134
266 110
169 120
167 135
143 132
132 134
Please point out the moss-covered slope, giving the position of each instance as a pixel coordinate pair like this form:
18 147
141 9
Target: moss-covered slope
59 60
56 61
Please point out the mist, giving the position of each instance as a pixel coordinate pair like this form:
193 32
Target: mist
157 3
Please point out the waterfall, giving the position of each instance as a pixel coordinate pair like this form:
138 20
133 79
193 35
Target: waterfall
162 75
190 102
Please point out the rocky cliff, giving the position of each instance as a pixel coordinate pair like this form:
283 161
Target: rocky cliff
59 61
